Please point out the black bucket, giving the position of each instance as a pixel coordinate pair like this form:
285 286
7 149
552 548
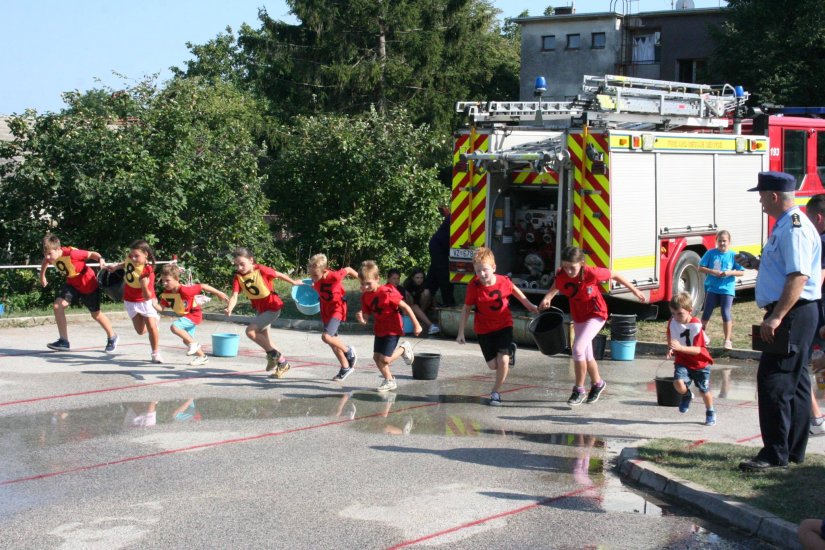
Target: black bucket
599 343
622 327
549 332
425 366
666 394
111 283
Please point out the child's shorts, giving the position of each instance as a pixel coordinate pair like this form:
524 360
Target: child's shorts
144 309
495 342
74 297
385 345
264 319
700 377
185 323
331 326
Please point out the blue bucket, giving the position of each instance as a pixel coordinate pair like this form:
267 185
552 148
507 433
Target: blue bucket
225 345
2 309
407 324
306 298
622 350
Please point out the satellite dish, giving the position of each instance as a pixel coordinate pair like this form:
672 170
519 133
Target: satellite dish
684 5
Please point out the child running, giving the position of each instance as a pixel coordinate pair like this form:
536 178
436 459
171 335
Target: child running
385 304
182 299
720 269
490 295
581 285
139 292
80 287
255 281
686 343
327 284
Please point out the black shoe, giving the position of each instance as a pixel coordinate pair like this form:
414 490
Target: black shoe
576 398
512 352
595 392
756 465
59 345
351 357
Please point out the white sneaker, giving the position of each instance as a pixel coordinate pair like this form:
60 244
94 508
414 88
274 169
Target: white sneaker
728 344
157 358
434 329
193 348
408 352
818 429
199 360
387 385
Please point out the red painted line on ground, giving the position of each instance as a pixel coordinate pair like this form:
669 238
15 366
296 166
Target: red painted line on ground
490 518
751 438
697 443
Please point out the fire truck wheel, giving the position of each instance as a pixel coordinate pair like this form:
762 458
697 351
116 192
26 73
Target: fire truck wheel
687 278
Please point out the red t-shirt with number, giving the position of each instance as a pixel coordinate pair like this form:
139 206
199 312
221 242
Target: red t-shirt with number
72 264
689 334
257 286
382 304
132 289
492 304
182 302
332 293
584 293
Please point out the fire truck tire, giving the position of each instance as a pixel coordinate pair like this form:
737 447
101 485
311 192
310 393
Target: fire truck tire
688 278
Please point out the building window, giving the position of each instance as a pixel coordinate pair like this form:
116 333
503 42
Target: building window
548 43
598 41
646 48
573 41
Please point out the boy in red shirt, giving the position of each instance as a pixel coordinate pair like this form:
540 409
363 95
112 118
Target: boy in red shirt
686 340
183 300
255 281
327 284
490 295
385 304
80 287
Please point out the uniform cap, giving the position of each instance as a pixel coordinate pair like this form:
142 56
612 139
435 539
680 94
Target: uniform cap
780 182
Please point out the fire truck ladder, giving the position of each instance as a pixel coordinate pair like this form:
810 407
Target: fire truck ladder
622 101
548 154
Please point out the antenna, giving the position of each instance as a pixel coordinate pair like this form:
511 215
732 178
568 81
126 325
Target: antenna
684 5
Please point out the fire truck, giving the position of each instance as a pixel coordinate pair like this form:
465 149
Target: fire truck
639 173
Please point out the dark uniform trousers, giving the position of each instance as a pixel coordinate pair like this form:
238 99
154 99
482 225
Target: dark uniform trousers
784 388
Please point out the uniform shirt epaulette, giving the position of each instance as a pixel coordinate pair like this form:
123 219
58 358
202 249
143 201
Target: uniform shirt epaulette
795 221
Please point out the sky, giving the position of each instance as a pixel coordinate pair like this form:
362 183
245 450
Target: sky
53 46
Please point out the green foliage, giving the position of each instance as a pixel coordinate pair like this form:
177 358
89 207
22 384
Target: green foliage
176 166
358 187
774 49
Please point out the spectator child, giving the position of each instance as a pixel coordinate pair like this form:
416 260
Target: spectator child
327 284
255 281
686 344
80 287
489 294
385 304
720 269
581 285
420 300
182 299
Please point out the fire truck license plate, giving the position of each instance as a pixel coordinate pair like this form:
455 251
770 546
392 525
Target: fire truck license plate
461 253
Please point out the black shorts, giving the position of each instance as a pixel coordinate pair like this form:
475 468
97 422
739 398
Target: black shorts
495 342
74 297
385 345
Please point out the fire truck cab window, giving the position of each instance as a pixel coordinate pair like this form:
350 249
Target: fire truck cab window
794 160
820 156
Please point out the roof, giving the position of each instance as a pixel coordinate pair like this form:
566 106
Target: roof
609 14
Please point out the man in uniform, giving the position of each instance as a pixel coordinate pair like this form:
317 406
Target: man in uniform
787 287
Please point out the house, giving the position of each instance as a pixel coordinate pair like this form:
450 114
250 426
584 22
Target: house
662 45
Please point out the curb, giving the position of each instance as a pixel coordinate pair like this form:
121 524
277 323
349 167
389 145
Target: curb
24 322
743 516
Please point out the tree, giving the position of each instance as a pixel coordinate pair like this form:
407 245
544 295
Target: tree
358 187
177 167
773 48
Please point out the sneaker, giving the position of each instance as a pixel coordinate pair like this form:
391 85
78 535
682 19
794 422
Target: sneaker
576 398
271 360
495 399
408 426
352 357
408 352
199 360
728 344
387 385
157 358
595 392
710 417
59 345
434 329
281 370
512 354
193 348
342 374
111 344
684 404
817 428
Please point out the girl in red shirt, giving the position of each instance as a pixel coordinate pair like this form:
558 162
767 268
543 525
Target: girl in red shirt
581 285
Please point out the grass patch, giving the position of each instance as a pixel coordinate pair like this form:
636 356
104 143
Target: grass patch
791 495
